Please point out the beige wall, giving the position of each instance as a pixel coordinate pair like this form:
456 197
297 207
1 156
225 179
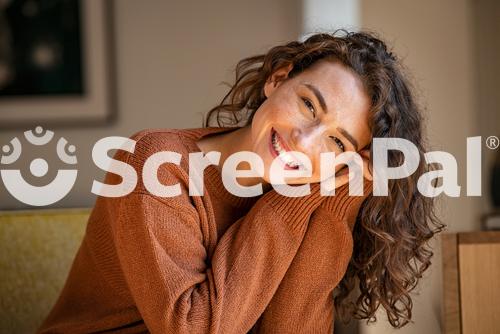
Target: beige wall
436 40
171 57
487 44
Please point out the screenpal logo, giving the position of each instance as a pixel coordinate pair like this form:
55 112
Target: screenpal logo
49 194
65 179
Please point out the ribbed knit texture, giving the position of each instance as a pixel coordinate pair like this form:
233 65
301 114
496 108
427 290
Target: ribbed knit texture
216 263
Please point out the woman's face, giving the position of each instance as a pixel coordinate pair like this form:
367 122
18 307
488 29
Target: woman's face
323 109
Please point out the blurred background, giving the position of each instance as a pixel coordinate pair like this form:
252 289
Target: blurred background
131 65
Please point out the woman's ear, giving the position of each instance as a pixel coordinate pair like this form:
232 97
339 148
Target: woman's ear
276 79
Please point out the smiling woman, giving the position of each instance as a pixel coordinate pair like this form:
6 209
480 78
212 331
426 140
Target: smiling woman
221 263
336 93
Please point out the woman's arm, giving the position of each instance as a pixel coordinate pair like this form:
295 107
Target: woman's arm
177 290
303 302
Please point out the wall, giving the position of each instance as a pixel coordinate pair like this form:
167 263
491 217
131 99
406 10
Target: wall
487 44
171 57
435 38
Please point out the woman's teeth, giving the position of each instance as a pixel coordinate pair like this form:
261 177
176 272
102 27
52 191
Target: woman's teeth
282 154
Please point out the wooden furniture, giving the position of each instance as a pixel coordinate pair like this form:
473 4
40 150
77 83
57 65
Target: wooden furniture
471 282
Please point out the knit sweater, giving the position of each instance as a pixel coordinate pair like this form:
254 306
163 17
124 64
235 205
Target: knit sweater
216 263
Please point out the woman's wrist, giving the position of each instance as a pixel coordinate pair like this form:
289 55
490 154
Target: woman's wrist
290 205
342 203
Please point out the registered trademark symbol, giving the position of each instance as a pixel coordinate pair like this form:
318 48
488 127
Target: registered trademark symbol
492 142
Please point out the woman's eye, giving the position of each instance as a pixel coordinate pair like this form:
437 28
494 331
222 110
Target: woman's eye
310 106
339 143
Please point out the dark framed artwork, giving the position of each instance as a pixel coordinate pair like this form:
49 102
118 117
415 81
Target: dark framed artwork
55 62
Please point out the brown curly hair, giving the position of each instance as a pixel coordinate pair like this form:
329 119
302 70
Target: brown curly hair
391 233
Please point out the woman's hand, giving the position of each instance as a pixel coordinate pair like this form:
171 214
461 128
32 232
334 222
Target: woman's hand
342 176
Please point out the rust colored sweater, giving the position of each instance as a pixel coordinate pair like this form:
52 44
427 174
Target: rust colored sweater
216 263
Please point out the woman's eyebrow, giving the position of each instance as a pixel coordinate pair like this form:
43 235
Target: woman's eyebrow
318 95
348 136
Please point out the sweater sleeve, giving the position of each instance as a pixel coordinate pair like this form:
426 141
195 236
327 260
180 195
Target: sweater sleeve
174 285
304 301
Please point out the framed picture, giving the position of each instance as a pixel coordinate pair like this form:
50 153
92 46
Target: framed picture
56 62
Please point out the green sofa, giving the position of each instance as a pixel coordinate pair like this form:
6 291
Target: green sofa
37 248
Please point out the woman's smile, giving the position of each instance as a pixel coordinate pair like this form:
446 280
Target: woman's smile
279 148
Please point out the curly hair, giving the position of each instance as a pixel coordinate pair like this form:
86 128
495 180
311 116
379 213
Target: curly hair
391 234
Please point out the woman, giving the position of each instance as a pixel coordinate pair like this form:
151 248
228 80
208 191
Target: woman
220 263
